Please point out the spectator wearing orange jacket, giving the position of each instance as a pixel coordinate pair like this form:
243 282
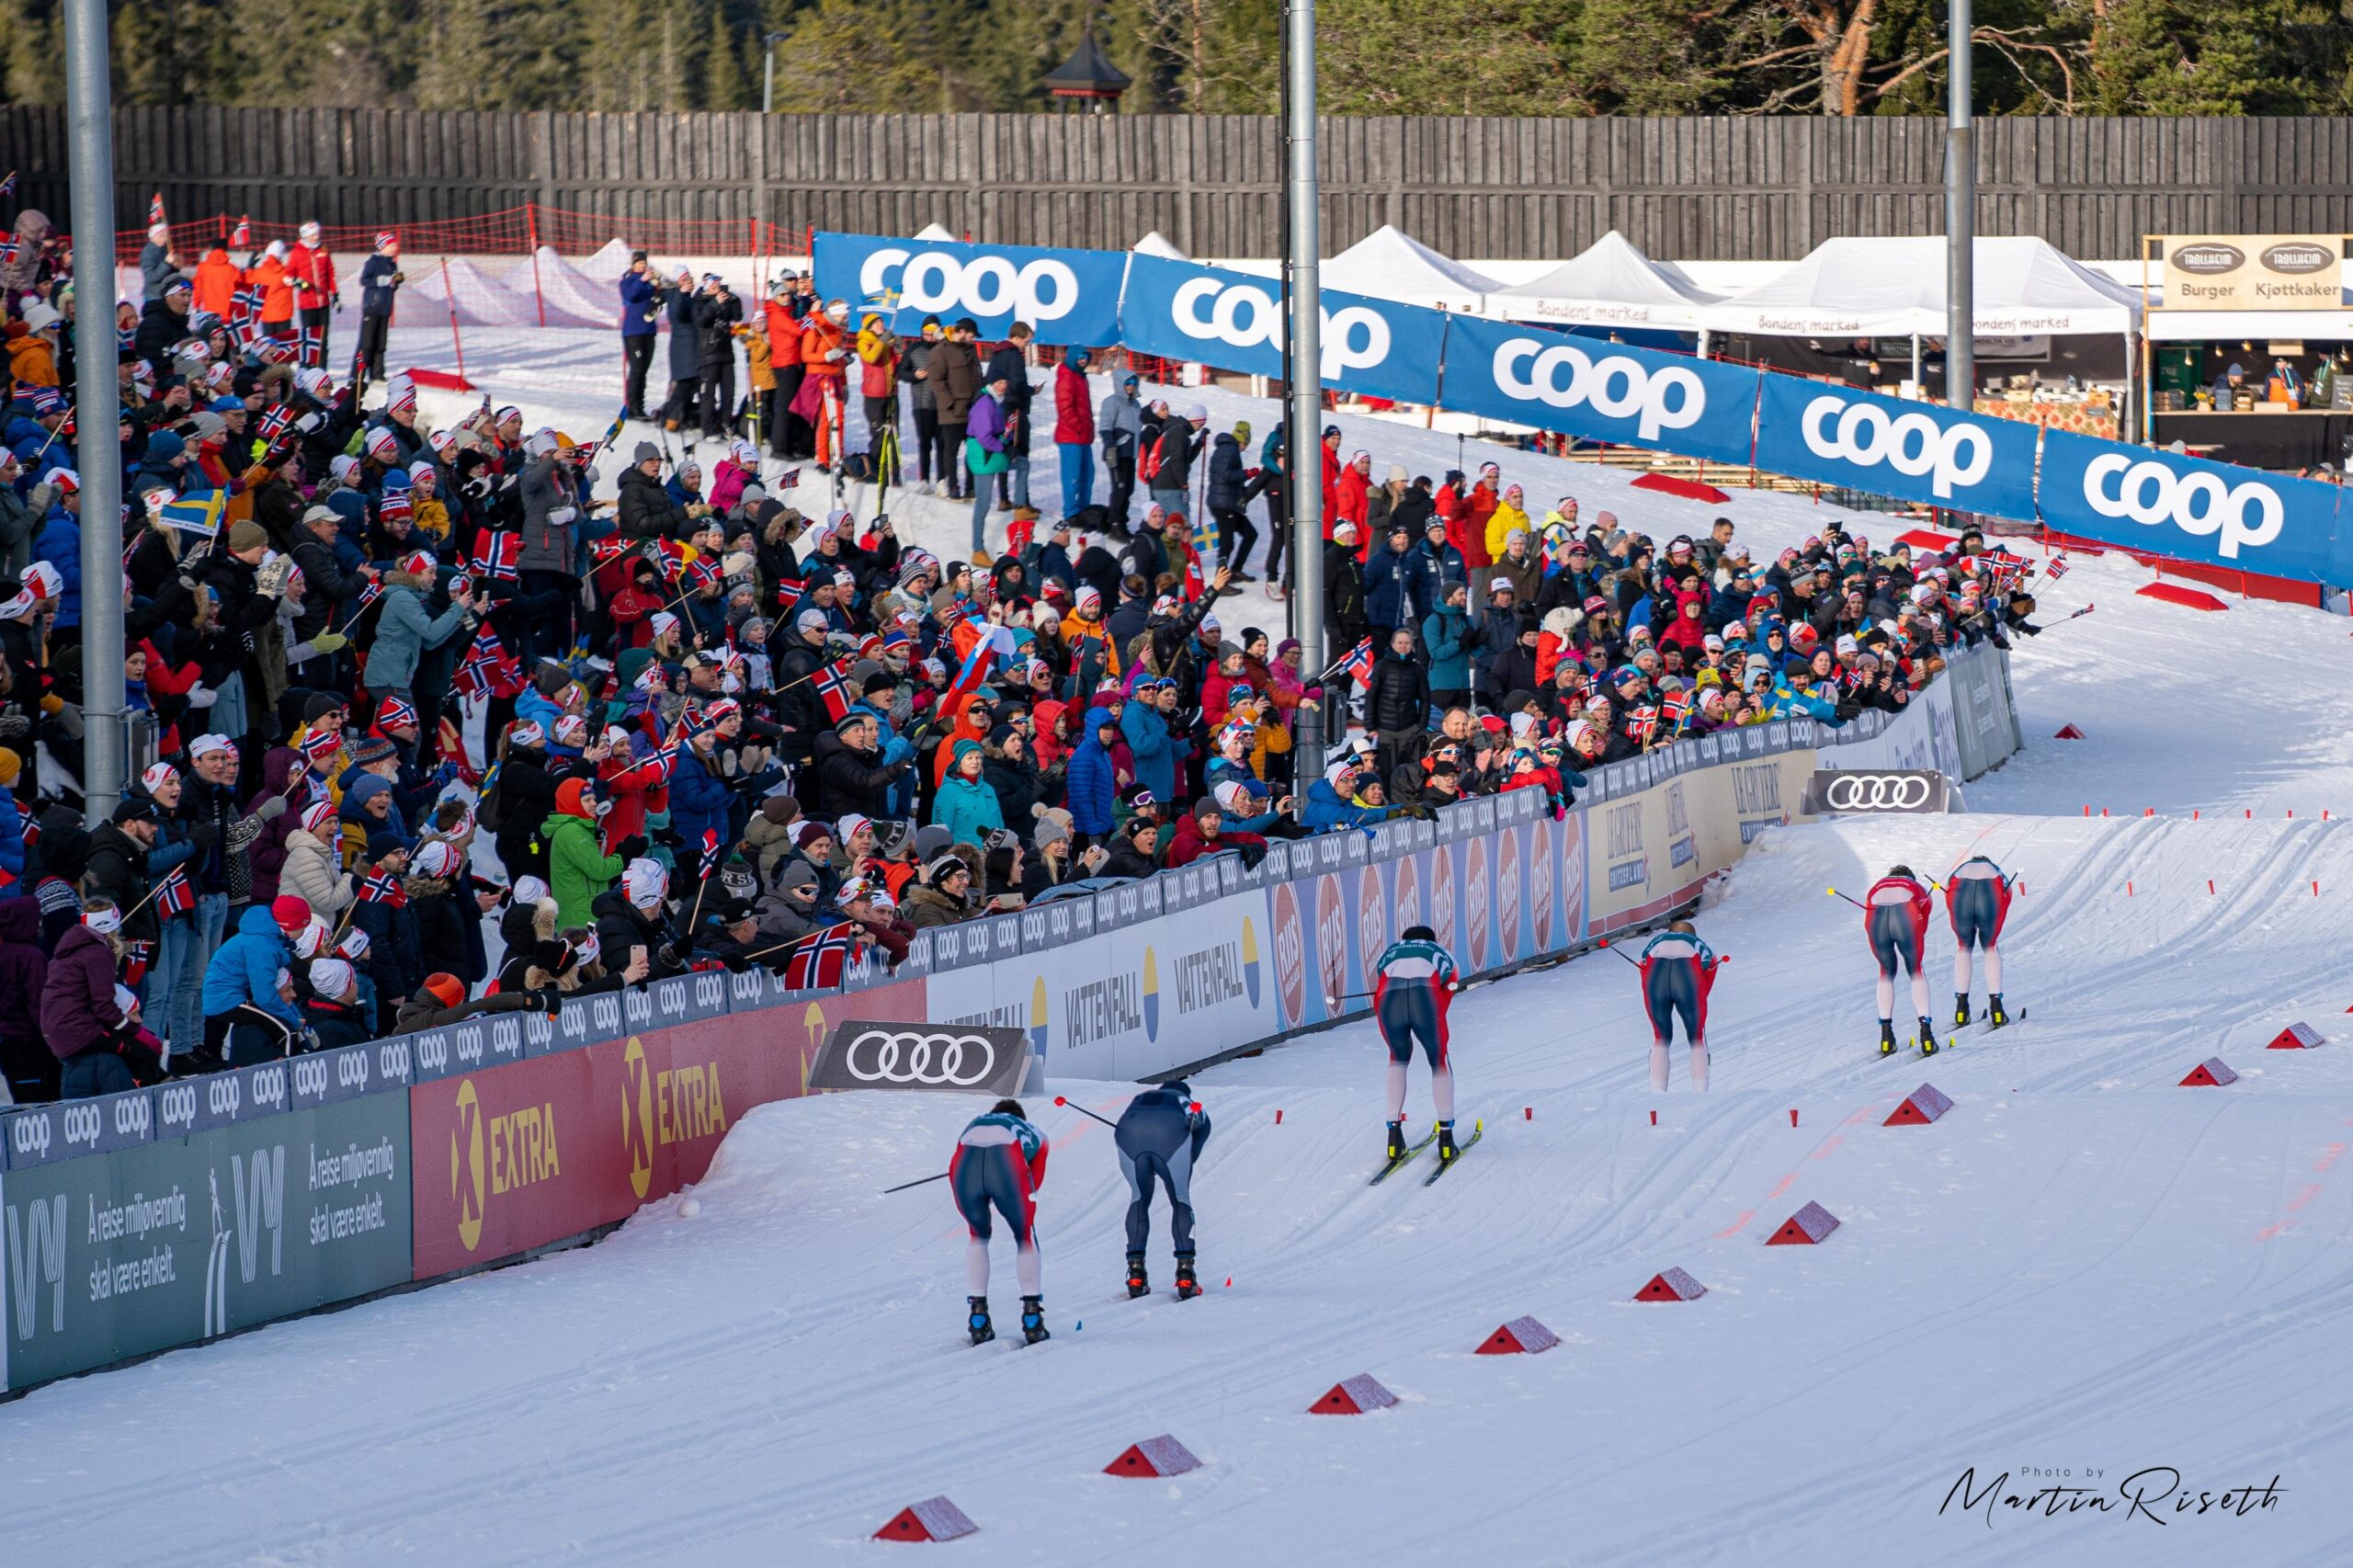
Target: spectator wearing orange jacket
216 282
269 274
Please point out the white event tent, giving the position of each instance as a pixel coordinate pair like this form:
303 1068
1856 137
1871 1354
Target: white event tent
1894 286
1389 264
1610 283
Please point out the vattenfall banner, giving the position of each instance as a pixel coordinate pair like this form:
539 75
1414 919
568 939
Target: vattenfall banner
1070 296
1180 309
1915 451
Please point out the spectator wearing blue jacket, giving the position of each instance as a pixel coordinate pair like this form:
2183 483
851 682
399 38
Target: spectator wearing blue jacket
60 543
641 322
965 805
246 1019
1158 753
1328 808
1093 783
1392 586
700 798
1446 638
380 280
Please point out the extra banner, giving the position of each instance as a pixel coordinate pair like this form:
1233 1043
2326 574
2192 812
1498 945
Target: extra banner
1914 451
1070 296
1178 310
2157 501
878 1054
1856 792
1603 392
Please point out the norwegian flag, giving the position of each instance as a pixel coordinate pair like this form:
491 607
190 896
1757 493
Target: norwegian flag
496 556
713 852
244 303
787 480
670 555
368 595
383 888
2056 569
488 669
1641 724
664 761
156 209
31 832
312 348
136 956
790 589
1673 708
832 690
604 552
173 895
817 961
243 234
275 421
8 250
1358 664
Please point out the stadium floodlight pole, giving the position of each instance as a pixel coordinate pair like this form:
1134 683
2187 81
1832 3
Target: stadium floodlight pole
1961 218
767 83
89 132
1303 328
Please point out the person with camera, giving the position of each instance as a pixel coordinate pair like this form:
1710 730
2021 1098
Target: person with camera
716 313
677 301
640 294
380 280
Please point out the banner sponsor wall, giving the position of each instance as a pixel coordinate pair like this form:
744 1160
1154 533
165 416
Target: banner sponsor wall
2209 514
172 1215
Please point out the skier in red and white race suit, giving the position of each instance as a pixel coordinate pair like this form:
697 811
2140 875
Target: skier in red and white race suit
1977 899
1895 919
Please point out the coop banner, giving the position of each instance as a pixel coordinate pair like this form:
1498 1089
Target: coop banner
2142 498
1070 296
1914 451
1603 392
180 1239
1178 310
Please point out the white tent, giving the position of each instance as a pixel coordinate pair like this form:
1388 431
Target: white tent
1156 243
1610 283
1895 287
1388 264
934 234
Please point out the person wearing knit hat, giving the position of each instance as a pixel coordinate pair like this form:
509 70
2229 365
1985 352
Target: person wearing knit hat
11 764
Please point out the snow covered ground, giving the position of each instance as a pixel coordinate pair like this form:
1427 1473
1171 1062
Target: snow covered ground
2083 1273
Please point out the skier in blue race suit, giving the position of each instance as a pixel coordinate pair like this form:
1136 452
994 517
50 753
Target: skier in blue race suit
1678 969
1417 979
1977 898
998 1164
1895 919
1159 1137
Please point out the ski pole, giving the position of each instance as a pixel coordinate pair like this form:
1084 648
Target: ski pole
1084 1112
1855 902
905 1185
1620 952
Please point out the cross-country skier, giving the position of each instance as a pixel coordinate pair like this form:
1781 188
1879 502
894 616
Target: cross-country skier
1677 971
1977 897
1409 1000
997 1165
1896 918
1159 1137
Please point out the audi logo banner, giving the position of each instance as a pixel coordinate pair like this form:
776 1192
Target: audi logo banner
1853 792
880 1054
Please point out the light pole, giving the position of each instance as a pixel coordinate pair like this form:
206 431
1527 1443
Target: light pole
1961 218
768 84
1303 363
89 144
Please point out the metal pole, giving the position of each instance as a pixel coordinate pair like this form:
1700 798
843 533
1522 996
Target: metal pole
1304 298
768 86
89 132
1960 219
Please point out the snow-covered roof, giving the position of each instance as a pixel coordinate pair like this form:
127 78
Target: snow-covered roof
1389 264
1610 283
1893 287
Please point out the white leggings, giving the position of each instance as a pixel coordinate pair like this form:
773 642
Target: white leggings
1960 971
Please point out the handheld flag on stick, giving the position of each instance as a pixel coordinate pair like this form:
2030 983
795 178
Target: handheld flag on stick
198 513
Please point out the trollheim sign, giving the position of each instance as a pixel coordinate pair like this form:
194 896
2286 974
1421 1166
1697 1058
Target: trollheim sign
1893 790
876 1054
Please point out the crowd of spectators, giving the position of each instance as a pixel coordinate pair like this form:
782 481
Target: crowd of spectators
713 731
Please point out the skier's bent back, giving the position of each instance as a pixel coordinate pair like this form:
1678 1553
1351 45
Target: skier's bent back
1159 1137
1417 980
998 1166
1677 971
1896 918
1977 898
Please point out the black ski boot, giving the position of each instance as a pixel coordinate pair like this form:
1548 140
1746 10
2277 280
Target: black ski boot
983 1330
1994 1014
1139 1282
1887 1037
1033 1320
1445 1142
1187 1286
1396 1141
1960 1009
1927 1036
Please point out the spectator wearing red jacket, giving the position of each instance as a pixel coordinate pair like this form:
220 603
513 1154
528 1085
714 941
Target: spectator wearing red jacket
312 271
1202 831
1074 429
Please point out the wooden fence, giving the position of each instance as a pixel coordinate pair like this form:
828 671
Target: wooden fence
1695 188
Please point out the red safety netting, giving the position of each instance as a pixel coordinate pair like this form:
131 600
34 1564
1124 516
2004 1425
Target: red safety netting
514 231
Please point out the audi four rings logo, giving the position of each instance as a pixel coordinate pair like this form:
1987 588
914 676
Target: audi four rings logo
1913 443
906 1056
1616 386
1877 792
937 283
2200 504
1246 316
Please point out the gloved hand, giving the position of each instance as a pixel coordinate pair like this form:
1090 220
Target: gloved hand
735 963
330 642
13 723
563 515
204 834
271 809
630 848
201 696
549 1001
310 422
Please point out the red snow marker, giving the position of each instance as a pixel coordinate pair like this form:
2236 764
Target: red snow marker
2128 887
2193 813
2103 810
1162 1455
1354 1396
1519 1336
1279 1116
1794 1116
1921 1107
934 1518
2148 811
2209 884
1528 1113
2250 814
1808 1227
1673 1285
2297 1036
2068 733
1654 1119
1229 1281
2291 816
2209 1074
